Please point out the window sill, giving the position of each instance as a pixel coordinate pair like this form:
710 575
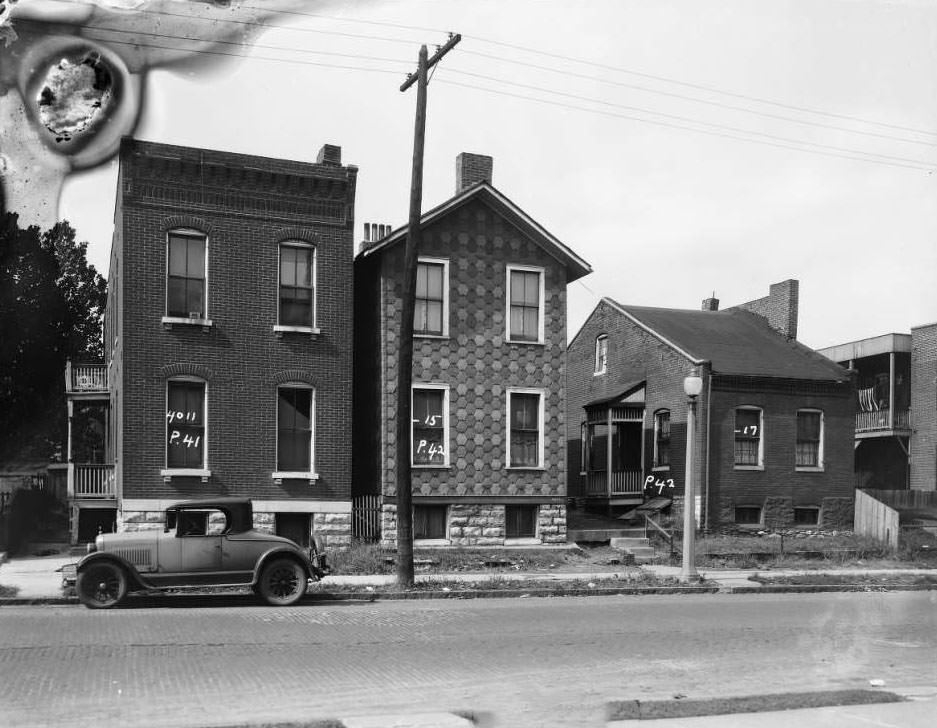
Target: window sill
660 469
431 542
280 475
600 374
430 466
444 335
523 341
170 473
525 467
748 467
313 331
809 469
523 541
170 321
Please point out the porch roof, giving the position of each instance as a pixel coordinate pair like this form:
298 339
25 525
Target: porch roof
627 391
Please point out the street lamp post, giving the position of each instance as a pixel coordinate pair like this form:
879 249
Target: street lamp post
692 385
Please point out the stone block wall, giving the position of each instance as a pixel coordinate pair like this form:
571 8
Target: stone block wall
837 513
334 529
777 512
130 521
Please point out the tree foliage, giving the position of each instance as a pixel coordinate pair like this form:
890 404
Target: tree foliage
51 309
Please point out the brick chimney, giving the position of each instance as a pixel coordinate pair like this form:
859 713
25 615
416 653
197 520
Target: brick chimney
330 154
779 307
471 169
711 304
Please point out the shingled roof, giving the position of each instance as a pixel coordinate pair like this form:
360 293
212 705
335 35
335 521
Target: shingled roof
734 341
576 267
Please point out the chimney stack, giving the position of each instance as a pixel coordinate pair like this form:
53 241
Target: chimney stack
470 169
330 154
374 231
711 304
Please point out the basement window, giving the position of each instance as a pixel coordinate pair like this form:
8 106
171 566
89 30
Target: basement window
806 516
429 522
520 521
748 515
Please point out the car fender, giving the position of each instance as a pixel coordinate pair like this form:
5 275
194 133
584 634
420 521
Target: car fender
136 580
276 552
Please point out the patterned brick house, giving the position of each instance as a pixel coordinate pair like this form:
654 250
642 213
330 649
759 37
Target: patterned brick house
489 370
774 445
228 342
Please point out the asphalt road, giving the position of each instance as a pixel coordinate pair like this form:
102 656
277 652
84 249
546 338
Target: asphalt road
531 662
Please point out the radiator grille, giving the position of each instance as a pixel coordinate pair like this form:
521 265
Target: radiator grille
137 557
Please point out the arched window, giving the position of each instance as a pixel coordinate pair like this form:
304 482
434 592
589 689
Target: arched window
186 426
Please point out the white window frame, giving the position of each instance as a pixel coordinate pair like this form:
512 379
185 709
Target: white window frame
314 327
444 388
655 465
510 268
819 467
761 437
599 340
204 472
168 320
444 262
280 475
507 432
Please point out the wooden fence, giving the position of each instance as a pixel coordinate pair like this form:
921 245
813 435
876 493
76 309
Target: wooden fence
876 519
366 517
907 500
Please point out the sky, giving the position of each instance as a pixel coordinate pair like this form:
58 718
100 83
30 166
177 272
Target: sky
684 148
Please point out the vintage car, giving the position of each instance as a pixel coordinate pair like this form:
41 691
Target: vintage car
204 543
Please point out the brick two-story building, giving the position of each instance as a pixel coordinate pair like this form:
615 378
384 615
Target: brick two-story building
228 340
774 428
488 447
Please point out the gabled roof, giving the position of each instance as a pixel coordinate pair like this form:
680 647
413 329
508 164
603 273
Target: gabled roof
734 342
621 396
575 266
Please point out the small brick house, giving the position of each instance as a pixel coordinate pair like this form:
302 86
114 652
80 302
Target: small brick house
228 340
488 447
774 419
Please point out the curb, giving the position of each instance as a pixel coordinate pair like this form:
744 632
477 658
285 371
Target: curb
514 593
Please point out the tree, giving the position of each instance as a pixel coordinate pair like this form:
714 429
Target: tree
51 306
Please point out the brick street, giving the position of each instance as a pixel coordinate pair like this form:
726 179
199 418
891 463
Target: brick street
529 661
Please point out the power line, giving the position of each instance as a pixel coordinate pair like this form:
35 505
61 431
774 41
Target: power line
348 20
708 89
677 117
719 104
919 166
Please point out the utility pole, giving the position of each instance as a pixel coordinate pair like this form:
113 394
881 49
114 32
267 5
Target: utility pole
405 355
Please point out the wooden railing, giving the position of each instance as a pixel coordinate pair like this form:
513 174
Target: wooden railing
93 481
624 482
879 420
85 377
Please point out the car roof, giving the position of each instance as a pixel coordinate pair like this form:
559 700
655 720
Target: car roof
240 510
223 502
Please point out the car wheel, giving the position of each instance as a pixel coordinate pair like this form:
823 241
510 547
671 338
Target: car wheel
282 582
101 586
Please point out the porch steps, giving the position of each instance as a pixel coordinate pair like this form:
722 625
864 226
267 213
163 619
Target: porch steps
640 548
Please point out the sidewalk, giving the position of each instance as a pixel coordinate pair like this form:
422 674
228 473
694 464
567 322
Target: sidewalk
38 578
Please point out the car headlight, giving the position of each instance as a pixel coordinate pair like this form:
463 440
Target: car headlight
92 547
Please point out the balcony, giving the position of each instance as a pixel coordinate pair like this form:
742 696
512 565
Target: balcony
91 481
882 422
85 379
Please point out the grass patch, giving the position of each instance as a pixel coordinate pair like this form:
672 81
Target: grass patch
8 592
848 579
365 558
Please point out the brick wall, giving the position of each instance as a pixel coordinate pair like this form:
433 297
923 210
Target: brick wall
924 407
240 356
476 364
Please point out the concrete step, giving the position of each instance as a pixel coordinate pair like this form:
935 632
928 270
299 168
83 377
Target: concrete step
639 548
628 542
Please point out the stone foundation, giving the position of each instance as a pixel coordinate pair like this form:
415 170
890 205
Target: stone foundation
334 529
130 521
837 513
482 524
777 512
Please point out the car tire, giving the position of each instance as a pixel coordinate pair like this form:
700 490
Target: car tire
282 582
101 586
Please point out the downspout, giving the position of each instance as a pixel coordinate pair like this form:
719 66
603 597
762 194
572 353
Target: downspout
709 399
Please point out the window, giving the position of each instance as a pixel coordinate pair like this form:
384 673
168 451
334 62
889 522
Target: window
431 310
185 284
185 425
297 527
748 515
429 522
809 447
297 285
806 516
429 442
525 304
520 521
525 439
662 439
749 439
294 429
601 354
